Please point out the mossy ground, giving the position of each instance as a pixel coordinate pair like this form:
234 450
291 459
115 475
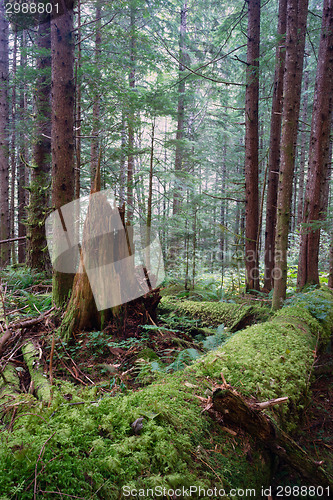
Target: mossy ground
86 446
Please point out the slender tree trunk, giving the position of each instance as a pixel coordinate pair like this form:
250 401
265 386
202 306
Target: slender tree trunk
4 153
330 277
78 106
150 195
180 112
177 188
295 41
38 258
13 152
94 153
318 154
251 146
130 161
304 137
62 143
21 173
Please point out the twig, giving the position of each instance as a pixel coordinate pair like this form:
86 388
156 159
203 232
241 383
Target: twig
72 360
59 493
272 402
38 459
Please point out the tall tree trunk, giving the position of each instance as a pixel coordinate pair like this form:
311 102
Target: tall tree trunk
21 173
251 146
130 161
62 143
304 137
4 153
318 154
38 258
78 107
295 41
150 195
94 153
13 152
177 188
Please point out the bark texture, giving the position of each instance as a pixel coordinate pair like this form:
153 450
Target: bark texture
38 258
4 154
318 155
295 41
251 146
274 147
177 192
62 142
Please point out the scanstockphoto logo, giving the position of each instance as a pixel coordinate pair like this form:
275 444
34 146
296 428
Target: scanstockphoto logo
122 262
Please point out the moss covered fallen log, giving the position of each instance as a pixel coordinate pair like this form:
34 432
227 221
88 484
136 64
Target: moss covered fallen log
213 314
90 449
247 415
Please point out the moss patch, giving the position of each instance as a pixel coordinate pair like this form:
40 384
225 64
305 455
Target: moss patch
91 449
213 314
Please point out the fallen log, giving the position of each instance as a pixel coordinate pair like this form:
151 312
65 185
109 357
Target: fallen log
237 411
41 384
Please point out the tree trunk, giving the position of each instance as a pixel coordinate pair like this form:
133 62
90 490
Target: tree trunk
318 154
130 161
38 258
21 172
251 146
62 142
304 139
177 189
13 153
4 153
274 147
78 106
94 153
295 41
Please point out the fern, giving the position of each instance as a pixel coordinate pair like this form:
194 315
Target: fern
214 341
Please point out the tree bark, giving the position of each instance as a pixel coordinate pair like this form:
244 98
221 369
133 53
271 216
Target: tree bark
177 188
94 148
62 142
38 258
130 124
13 152
318 155
274 147
251 146
304 138
295 41
22 169
4 153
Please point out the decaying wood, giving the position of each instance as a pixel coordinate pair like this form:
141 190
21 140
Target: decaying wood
4 340
235 410
30 322
8 334
31 355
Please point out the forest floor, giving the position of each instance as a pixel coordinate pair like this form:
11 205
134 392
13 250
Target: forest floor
117 365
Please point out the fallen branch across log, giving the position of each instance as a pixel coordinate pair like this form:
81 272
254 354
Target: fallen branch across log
235 410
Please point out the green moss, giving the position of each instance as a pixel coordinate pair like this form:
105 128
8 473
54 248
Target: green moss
213 314
94 445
